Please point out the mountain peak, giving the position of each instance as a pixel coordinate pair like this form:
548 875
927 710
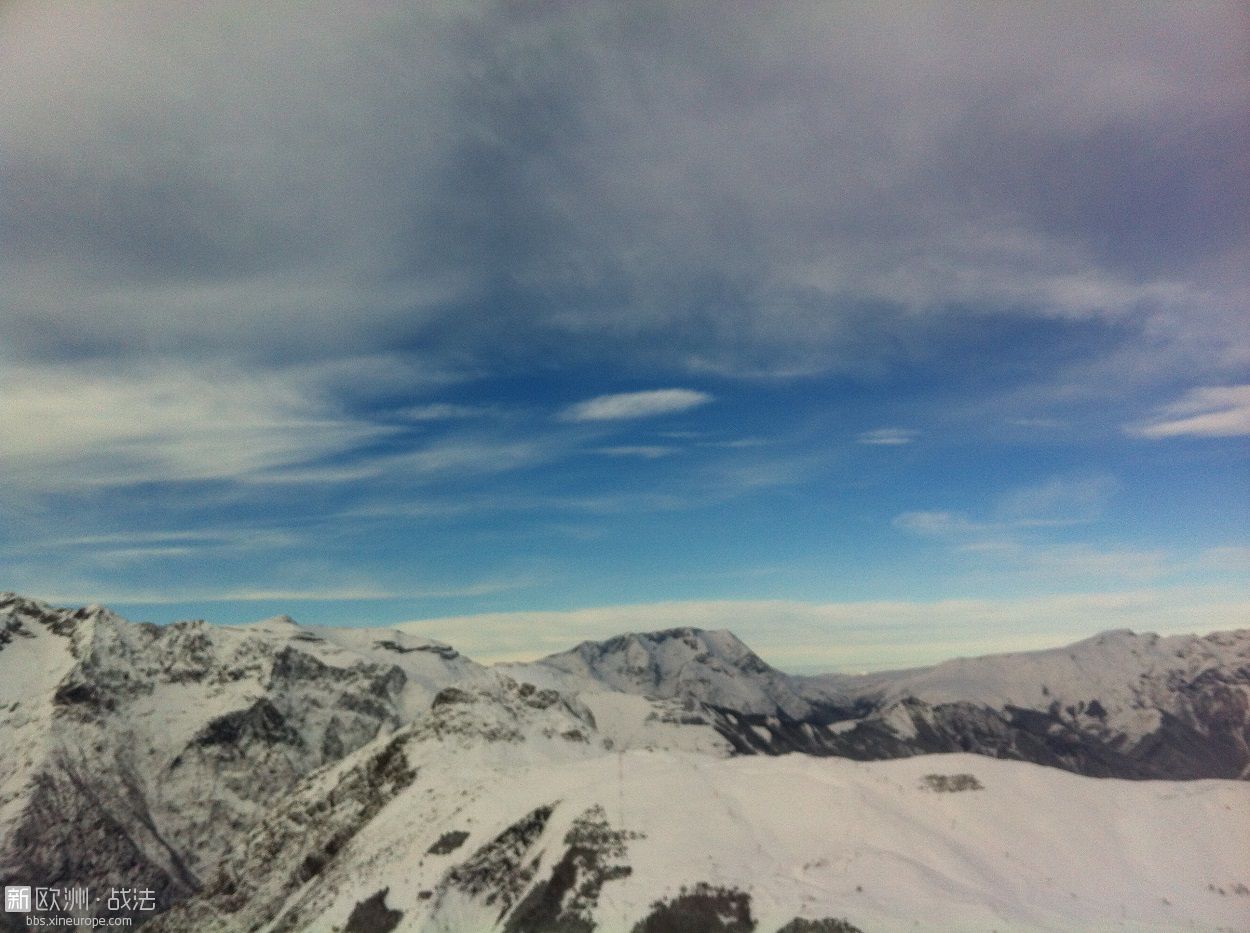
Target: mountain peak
711 666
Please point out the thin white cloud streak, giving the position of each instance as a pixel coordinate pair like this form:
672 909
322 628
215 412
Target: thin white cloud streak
887 437
76 427
81 426
646 452
442 411
145 597
1057 502
851 636
1209 411
629 405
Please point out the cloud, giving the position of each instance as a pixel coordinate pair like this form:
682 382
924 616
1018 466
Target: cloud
628 405
477 183
1061 500
811 636
82 426
441 411
887 437
938 524
1214 411
170 596
646 452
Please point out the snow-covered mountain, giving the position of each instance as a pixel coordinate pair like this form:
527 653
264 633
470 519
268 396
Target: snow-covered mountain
282 777
1118 704
154 747
711 667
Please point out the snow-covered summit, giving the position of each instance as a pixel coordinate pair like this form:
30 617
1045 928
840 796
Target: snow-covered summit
712 667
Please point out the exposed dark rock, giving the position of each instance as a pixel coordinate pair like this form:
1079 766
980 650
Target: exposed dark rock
446 652
566 901
498 871
373 916
824 925
951 783
704 909
448 842
260 722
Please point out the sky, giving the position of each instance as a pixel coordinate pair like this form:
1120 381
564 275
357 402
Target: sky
878 333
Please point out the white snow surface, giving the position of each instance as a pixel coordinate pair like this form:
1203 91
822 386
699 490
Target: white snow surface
1034 849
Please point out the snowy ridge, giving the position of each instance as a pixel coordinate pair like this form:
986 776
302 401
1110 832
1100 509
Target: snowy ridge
285 777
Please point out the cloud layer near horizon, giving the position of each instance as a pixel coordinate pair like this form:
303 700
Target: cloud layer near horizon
807 637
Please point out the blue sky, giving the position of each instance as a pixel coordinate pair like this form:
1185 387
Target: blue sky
876 333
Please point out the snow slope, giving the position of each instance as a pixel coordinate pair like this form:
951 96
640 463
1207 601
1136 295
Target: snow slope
528 837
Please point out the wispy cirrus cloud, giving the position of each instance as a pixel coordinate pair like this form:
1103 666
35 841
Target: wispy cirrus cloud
1028 532
645 451
624 406
887 437
442 411
84 426
1208 411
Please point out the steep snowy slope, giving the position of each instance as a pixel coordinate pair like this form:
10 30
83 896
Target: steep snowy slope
525 827
146 750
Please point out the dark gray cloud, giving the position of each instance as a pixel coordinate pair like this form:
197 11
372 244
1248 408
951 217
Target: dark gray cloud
732 188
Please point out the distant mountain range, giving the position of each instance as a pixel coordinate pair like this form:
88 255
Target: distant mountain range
275 777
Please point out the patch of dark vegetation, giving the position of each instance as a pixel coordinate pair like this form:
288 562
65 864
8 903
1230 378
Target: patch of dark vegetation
565 902
498 870
824 925
951 783
448 842
373 916
703 909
